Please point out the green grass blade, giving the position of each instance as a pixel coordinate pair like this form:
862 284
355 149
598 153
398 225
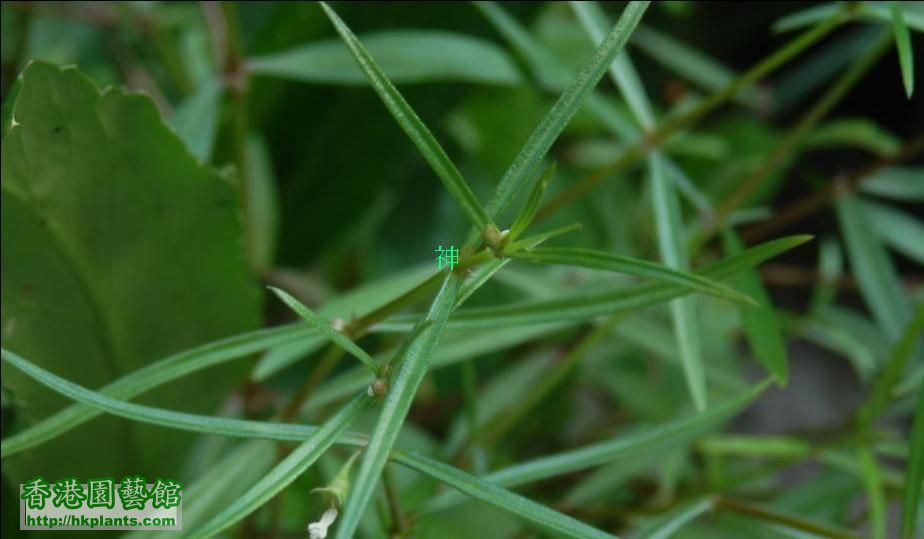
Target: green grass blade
589 258
151 376
672 245
620 448
487 492
287 471
875 497
324 327
524 166
398 400
878 281
526 215
412 125
765 336
911 495
903 44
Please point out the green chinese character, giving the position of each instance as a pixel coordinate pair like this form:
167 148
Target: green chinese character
68 492
448 256
35 492
166 494
133 492
101 492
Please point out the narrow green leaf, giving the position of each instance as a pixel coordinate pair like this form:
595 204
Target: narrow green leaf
760 323
487 492
588 258
196 119
911 495
324 327
287 471
905 52
898 183
551 74
584 306
879 283
221 426
875 497
897 229
412 125
263 204
548 130
893 370
674 520
672 245
405 56
398 400
620 448
151 376
594 21
875 11
526 215
859 132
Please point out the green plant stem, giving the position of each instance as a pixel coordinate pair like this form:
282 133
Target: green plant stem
657 137
724 503
819 110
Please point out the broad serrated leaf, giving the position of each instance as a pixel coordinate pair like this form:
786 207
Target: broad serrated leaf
96 189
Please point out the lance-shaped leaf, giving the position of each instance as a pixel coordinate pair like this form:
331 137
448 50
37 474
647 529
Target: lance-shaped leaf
406 56
324 327
153 375
412 125
492 494
903 44
589 258
524 165
760 323
526 215
584 306
879 283
672 245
